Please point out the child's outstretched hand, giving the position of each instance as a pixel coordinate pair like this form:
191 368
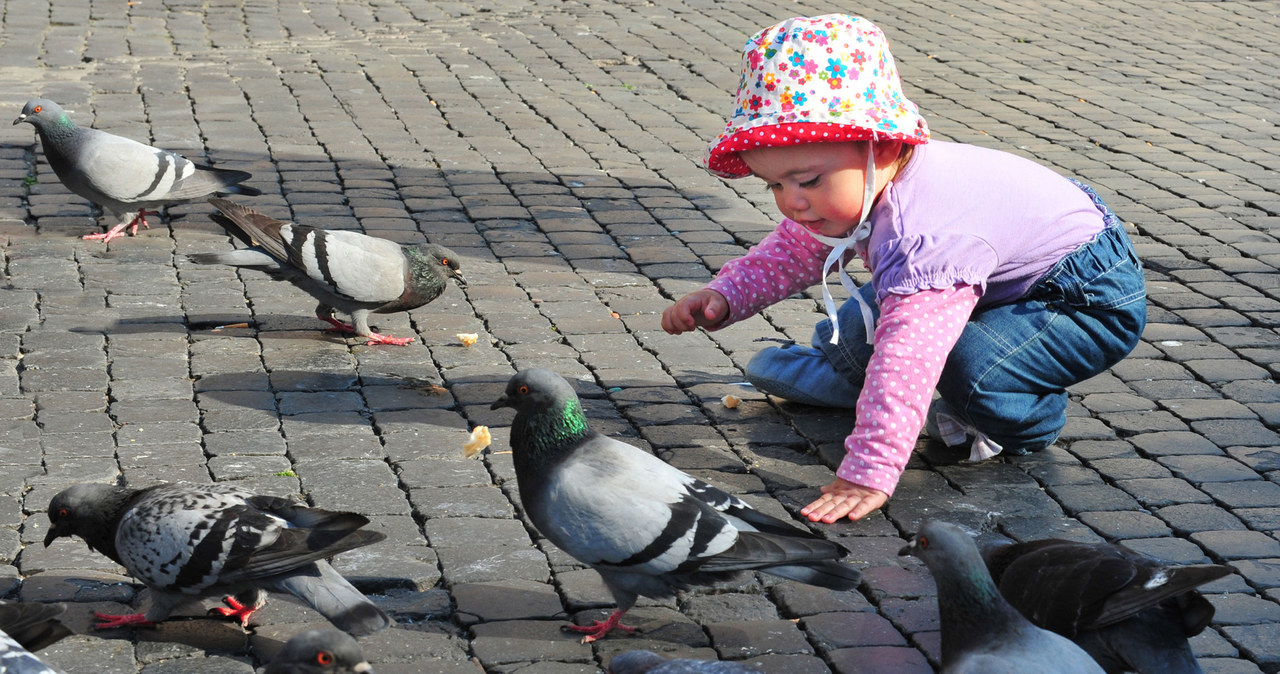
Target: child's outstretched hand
841 498
700 308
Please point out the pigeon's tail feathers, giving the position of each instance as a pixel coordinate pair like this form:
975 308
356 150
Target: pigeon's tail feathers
1166 582
831 575
244 257
335 598
242 190
209 180
808 560
251 227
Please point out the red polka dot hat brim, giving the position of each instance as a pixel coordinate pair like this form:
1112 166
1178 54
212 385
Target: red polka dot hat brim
723 158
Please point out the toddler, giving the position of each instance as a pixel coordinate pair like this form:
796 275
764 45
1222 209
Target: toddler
993 279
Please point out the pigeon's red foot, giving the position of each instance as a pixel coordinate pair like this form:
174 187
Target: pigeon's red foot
114 232
107 621
375 338
338 326
237 610
598 629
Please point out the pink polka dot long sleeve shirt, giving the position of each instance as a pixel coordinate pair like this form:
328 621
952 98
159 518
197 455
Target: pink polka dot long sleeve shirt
959 228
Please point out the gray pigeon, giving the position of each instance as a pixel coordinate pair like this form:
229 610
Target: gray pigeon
1129 611
123 176
184 541
14 659
646 527
648 662
981 632
320 652
35 625
352 272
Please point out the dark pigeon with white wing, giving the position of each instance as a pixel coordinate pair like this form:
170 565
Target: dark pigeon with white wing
981 632
123 176
1129 611
647 527
319 652
185 541
352 272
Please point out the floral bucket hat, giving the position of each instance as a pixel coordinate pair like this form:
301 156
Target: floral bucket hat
818 79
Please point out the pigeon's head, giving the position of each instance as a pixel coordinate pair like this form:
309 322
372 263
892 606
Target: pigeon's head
937 539
440 258
326 651
40 112
536 390
87 511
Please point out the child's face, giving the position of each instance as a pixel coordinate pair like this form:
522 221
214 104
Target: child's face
819 185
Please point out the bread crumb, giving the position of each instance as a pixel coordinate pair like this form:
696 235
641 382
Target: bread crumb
468 338
480 438
731 401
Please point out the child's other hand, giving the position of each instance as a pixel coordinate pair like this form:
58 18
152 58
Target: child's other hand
700 308
841 498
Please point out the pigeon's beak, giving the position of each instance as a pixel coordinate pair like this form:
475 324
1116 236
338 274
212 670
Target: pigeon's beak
363 668
462 280
502 401
21 118
908 549
52 536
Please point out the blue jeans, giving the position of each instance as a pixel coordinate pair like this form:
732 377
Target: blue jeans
1007 374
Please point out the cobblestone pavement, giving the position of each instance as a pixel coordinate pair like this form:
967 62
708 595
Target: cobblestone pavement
555 146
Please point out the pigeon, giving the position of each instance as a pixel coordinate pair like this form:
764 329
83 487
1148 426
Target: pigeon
981 632
353 272
14 659
320 652
184 541
123 176
35 625
1129 611
648 662
647 527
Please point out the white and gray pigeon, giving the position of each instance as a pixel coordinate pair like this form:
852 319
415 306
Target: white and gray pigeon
14 659
648 662
981 632
1129 611
320 652
126 178
185 541
349 271
647 527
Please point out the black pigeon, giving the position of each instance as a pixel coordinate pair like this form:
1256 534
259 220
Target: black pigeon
184 541
981 632
648 662
320 652
35 625
123 176
349 271
1129 611
645 526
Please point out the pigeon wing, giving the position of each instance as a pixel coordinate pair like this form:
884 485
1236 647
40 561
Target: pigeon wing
614 506
127 172
353 265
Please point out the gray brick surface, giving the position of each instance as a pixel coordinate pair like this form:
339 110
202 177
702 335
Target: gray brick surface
555 147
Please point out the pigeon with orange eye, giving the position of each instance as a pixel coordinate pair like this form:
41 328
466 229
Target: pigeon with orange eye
324 651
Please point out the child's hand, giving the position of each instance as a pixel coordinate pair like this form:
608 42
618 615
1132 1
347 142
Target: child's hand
700 308
842 498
